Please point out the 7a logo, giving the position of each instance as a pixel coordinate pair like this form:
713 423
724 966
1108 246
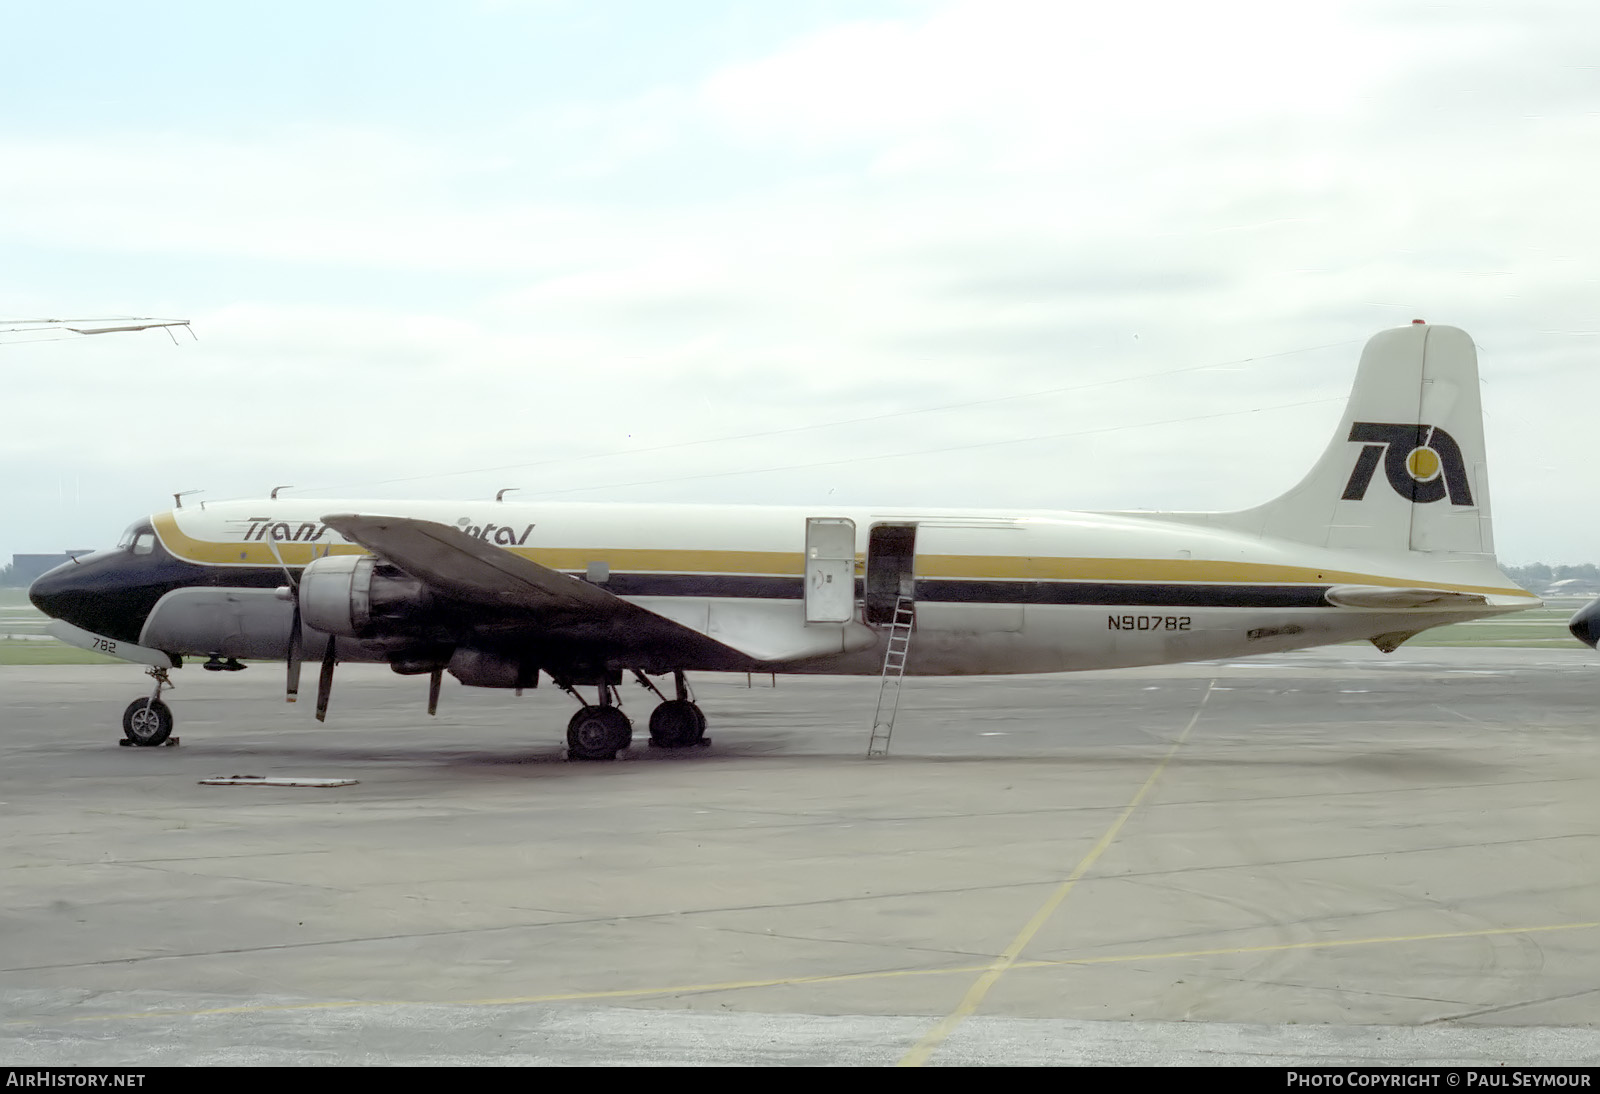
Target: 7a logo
1422 462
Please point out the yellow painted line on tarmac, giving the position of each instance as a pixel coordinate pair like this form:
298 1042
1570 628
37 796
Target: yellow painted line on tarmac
1317 944
553 997
1008 957
831 978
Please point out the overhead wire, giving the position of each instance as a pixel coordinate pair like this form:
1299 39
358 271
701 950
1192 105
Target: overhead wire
939 450
57 330
729 438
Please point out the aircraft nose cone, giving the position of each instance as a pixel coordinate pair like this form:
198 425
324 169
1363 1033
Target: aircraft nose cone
108 593
60 594
52 591
87 592
1585 625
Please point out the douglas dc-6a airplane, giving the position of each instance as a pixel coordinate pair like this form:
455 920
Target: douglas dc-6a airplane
1387 536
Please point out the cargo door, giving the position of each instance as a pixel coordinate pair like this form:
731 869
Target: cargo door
891 551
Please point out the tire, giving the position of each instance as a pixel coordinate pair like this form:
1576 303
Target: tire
598 733
676 723
147 722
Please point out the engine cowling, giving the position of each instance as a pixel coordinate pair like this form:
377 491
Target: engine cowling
357 596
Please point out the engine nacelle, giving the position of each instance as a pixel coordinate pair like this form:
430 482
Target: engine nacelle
357 596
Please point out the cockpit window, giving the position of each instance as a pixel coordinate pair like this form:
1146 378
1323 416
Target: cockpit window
139 538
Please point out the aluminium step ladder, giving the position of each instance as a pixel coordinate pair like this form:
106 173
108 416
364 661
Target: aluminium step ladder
894 671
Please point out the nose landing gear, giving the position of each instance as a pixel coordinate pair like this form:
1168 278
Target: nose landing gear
148 722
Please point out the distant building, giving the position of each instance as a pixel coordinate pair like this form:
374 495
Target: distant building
1573 586
24 568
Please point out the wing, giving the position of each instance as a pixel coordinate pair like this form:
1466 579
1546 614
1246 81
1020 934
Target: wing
730 635
471 570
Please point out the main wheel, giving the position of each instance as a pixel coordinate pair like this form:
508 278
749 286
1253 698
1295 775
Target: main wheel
147 722
598 733
676 723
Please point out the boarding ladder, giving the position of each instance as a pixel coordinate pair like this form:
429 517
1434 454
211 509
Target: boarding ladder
894 671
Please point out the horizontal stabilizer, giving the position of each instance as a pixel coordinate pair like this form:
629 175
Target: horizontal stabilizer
1380 596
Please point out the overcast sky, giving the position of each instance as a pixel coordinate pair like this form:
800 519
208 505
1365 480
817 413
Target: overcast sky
681 250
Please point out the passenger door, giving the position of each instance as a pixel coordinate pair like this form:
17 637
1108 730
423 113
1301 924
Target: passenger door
830 570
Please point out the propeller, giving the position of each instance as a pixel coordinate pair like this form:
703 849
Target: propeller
435 678
292 685
325 681
291 593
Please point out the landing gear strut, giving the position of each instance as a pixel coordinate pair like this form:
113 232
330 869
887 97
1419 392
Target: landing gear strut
148 722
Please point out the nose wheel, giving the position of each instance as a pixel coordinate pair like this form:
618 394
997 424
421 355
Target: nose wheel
148 722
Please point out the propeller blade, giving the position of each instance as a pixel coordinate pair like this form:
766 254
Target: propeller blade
291 592
277 555
435 678
292 692
325 681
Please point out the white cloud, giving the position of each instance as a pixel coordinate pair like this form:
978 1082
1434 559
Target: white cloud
974 200
1053 76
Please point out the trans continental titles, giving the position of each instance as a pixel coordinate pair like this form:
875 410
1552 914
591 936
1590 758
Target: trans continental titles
311 531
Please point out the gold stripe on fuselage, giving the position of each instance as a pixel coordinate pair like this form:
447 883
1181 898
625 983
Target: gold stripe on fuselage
792 564
1168 570
634 560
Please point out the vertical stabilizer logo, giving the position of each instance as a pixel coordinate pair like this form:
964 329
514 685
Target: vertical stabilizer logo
1422 462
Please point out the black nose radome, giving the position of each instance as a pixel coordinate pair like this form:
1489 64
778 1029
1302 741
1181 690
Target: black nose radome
94 592
1585 626
52 591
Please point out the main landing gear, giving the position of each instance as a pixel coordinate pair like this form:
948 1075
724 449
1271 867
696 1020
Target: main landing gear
599 731
148 722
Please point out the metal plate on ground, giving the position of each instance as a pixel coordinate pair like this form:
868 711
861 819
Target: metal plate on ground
273 780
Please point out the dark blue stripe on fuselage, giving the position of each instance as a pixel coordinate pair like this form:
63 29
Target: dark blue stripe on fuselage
1131 594
957 591
112 592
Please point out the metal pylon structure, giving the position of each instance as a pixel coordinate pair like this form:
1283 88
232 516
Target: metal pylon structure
894 670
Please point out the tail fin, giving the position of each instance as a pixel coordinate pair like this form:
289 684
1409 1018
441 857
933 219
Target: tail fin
1406 469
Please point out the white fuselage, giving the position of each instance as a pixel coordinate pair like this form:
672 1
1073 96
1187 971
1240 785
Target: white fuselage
994 592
